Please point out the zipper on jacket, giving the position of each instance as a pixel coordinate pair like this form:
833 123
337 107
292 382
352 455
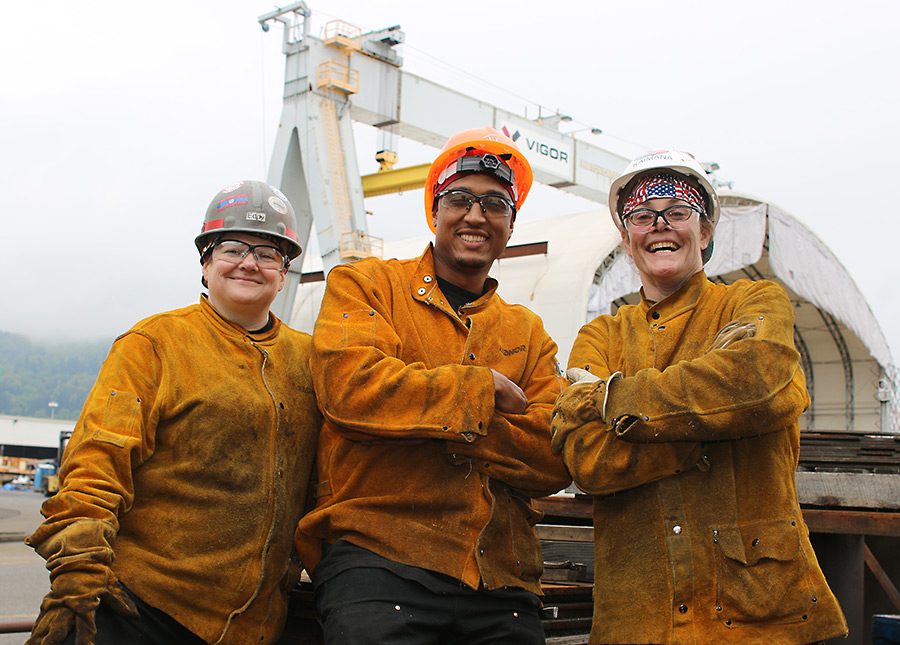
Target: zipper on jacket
268 543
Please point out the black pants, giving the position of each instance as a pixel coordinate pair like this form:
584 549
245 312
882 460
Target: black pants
367 606
152 627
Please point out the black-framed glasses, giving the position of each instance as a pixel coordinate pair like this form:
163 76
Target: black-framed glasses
675 216
460 200
233 252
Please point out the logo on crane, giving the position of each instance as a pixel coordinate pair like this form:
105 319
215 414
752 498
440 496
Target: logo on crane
545 152
515 136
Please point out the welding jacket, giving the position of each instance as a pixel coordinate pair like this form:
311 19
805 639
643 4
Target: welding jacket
197 443
415 463
698 532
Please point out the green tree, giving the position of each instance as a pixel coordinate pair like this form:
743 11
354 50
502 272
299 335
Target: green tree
33 375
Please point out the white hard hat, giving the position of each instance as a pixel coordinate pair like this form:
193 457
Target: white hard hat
654 161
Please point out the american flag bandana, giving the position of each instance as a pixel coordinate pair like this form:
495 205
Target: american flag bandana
662 186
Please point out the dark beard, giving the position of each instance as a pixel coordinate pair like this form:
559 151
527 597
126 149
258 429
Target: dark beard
473 263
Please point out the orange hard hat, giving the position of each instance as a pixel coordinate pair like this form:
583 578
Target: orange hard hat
487 146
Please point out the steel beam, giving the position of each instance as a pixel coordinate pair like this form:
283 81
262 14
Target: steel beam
395 181
817 519
836 335
852 522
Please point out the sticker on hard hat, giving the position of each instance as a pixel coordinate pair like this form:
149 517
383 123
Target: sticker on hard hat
278 205
255 216
653 156
232 188
231 201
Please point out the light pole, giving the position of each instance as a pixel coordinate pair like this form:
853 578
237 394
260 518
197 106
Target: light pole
572 133
53 405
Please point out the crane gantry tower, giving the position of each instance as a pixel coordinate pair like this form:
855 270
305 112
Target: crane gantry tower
353 76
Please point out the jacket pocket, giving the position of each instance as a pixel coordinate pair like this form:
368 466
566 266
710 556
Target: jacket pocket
526 546
762 574
122 408
358 328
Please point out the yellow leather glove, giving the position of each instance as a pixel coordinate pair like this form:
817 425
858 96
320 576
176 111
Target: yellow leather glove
731 333
582 402
78 558
578 375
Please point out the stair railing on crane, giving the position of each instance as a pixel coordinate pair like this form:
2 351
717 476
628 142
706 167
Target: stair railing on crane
339 76
354 245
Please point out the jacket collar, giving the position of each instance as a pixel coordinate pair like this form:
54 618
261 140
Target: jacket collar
231 329
682 300
424 287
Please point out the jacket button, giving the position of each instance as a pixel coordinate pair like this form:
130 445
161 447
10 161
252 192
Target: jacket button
480 551
655 315
421 291
677 531
427 278
682 609
471 357
755 542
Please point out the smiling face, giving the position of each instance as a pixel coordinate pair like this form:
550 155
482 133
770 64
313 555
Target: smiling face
243 292
666 257
467 243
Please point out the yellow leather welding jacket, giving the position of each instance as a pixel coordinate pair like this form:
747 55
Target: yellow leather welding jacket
197 443
415 463
698 533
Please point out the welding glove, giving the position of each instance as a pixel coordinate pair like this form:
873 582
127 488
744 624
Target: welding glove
79 559
582 402
732 332
578 375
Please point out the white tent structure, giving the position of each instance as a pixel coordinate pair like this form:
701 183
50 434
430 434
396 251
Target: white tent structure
850 375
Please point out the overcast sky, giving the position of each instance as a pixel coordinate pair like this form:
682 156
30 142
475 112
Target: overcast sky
120 120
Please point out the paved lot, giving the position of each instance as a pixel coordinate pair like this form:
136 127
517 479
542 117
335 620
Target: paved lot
21 569
20 514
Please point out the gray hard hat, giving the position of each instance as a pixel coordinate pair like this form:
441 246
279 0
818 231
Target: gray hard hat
255 208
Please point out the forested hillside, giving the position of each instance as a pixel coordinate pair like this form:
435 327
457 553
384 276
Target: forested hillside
33 375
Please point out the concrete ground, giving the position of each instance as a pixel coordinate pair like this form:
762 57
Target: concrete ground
20 514
22 571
